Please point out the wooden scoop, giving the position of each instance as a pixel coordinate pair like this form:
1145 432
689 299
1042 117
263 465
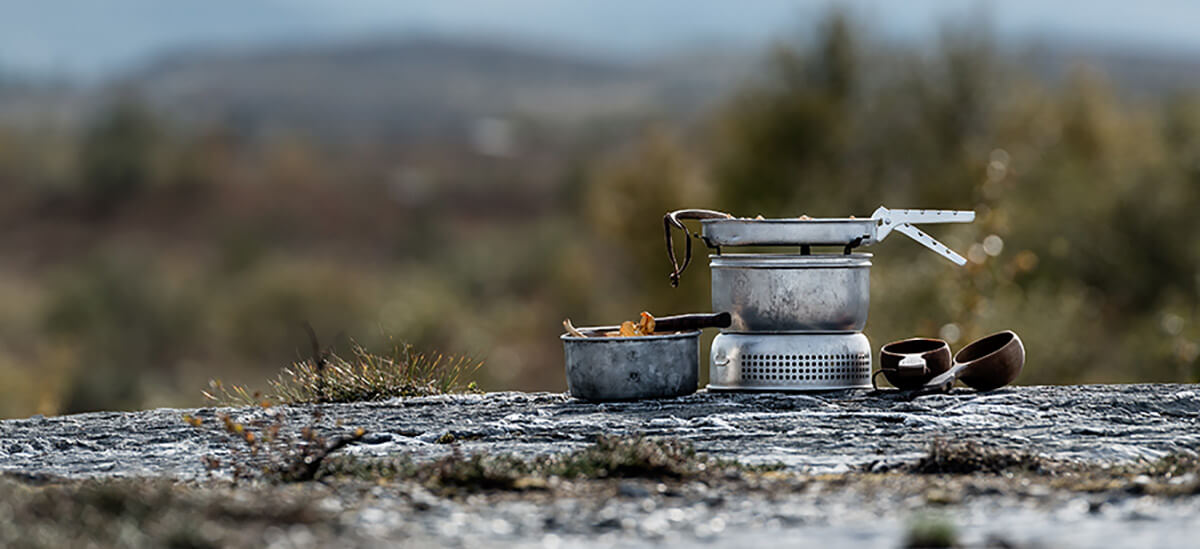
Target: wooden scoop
985 365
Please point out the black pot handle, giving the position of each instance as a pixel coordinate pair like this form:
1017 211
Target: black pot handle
695 321
676 323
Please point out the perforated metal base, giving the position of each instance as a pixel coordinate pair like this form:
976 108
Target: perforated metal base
789 362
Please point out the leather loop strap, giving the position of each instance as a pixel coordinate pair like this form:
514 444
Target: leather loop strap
673 219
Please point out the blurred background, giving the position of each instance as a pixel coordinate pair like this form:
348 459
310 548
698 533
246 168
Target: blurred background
185 185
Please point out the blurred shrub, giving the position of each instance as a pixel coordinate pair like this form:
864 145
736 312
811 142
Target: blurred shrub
783 146
123 324
116 156
260 314
630 191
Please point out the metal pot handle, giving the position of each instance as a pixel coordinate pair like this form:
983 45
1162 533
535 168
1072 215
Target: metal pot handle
940 384
673 218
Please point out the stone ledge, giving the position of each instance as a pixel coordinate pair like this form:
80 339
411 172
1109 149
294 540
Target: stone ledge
820 432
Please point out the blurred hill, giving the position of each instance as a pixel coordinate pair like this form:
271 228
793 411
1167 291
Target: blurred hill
417 88
1132 70
401 89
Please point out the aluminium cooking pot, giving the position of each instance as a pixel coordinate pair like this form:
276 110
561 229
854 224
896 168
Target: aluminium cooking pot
792 292
632 368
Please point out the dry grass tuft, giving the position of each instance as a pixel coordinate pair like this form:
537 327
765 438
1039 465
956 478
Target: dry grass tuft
608 457
966 458
635 457
363 376
147 513
928 531
267 449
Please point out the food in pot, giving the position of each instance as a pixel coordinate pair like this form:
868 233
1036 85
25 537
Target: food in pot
571 329
643 327
760 217
646 323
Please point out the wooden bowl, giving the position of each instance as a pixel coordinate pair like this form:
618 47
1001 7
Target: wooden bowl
934 352
992 362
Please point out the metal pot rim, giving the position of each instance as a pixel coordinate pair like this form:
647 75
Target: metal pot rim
798 261
656 337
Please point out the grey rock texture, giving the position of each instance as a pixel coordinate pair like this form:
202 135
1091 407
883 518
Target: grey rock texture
823 432
810 433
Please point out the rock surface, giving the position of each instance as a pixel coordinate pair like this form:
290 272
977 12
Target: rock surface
808 433
825 432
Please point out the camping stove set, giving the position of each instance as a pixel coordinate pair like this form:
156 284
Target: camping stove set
796 319
790 320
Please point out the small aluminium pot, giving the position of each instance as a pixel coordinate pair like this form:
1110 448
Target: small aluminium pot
792 292
632 368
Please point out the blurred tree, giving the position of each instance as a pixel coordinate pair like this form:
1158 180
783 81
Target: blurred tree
628 195
783 145
122 326
117 155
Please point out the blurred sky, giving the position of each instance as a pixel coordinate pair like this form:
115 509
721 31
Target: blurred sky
92 38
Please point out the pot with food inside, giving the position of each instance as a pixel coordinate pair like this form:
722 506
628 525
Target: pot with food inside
650 358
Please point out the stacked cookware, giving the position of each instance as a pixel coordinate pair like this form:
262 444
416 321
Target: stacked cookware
796 317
